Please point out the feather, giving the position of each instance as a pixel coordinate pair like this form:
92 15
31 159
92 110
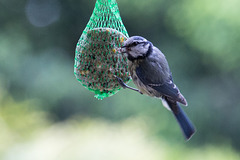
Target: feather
185 123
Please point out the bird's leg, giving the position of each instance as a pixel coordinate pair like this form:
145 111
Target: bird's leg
124 85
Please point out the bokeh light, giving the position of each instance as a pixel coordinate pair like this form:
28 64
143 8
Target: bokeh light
41 13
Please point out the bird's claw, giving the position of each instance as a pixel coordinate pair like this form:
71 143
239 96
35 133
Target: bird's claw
120 81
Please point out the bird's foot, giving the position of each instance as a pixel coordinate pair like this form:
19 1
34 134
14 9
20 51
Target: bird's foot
124 85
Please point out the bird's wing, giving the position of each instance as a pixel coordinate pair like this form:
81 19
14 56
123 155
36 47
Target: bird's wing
152 74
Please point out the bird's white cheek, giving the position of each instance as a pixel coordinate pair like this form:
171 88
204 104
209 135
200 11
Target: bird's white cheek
133 54
144 49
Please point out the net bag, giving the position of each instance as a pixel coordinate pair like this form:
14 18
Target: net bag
97 60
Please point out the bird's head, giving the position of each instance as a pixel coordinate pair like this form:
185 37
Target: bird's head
136 47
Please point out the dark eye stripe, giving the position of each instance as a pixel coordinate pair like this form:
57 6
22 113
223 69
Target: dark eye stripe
135 43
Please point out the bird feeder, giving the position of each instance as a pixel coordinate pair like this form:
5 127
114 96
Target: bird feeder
97 59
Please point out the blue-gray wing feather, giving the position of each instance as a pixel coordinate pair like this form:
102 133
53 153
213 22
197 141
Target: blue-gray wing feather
154 79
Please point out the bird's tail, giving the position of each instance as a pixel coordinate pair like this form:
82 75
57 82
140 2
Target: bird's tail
184 122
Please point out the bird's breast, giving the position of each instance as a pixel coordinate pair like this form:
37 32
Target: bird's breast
145 89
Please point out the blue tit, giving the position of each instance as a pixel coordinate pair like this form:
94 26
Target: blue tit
151 74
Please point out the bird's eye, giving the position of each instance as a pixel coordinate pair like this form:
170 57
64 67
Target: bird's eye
135 43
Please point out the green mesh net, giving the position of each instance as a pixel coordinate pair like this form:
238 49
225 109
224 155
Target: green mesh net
97 59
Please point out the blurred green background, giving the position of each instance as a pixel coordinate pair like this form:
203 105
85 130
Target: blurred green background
45 114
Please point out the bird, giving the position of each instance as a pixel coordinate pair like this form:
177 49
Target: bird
150 72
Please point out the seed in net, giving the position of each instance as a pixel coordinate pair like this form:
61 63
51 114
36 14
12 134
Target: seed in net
99 60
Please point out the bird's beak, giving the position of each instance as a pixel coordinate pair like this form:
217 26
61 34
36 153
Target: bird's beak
123 49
